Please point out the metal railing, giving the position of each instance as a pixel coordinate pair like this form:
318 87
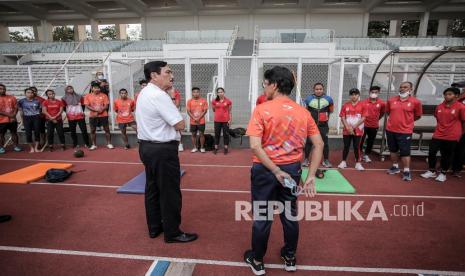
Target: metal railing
189 37
297 36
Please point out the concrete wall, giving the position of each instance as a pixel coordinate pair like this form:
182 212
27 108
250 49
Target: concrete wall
343 24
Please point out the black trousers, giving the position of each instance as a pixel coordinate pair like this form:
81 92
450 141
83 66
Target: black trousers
32 124
447 150
163 199
459 155
369 135
324 130
266 188
82 127
51 127
218 127
355 140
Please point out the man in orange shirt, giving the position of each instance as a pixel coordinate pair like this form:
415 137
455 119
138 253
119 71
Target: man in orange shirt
278 130
8 111
196 109
176 98
97 102
261 99
124 108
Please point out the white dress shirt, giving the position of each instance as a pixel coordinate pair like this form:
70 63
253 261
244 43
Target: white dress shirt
156 115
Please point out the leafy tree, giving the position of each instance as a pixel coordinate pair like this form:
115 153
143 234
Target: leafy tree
378 28
63 33
108 33
457 27
18 36
409 27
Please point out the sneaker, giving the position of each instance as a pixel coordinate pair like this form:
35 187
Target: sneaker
180 147
327 164
226 151
215 151
366 159
359 167
441 177
202 150
93 147
305 163
17 149
289 263
194 150
342 165
257 269
393 170
406 176
428 174
110 146
456 174
50 148
2 150
126 147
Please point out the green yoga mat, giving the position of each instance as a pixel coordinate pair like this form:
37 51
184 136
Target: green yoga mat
333 182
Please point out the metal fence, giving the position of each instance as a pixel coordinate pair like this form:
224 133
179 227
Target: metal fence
241 77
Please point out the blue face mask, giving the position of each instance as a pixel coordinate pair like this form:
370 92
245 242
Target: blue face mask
291 184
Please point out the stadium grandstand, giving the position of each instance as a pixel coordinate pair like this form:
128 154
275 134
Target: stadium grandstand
343 44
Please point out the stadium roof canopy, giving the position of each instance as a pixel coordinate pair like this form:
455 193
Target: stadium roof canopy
14 11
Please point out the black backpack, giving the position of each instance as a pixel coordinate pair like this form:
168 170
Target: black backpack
57 175
237 132
209 142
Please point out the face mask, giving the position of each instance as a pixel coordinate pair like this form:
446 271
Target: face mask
100 77
404 95
373 95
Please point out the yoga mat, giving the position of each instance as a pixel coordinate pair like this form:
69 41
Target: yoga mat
136 185
31 173
333 182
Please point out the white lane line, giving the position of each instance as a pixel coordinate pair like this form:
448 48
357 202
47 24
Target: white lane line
248 192
182 164
118 162
223 263
151 268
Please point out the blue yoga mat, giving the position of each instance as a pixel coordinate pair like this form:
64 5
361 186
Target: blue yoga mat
136 185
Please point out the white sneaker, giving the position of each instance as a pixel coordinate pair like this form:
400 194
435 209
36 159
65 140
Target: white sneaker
342 165
194 150
428 174
366 159
359 167
180 147
93 147
202 150
110 146
441 177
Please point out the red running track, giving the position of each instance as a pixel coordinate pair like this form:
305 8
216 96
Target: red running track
96 219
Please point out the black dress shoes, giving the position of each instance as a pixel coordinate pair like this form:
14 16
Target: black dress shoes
5 218
154 234
183 237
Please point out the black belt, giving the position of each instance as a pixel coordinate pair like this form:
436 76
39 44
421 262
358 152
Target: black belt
172 142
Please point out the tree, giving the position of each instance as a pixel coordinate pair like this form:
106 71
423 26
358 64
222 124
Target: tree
108 33
378 28
18 36
409 27
63 33
457 27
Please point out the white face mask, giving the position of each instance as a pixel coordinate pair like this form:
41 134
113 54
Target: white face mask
404 95
100 77
373 95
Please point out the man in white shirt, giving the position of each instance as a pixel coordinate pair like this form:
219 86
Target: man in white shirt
159 123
